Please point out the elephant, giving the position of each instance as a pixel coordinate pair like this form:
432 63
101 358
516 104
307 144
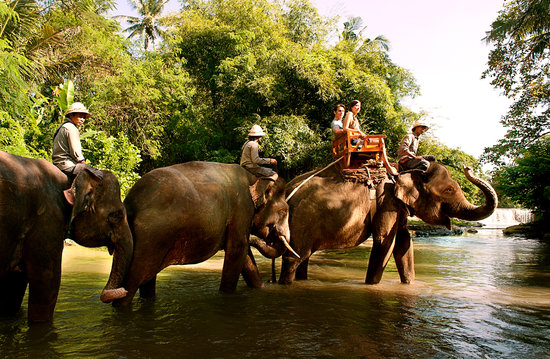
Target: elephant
329 213
35 216
185 213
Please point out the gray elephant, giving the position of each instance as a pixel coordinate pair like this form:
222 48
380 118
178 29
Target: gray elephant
185 213
34 218
330 213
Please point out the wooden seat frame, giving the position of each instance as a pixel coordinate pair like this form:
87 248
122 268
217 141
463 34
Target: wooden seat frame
373 148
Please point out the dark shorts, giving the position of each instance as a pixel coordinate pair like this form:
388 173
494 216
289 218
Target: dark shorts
71 173
416 164
261 171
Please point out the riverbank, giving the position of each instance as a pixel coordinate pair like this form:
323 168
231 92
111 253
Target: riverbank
421 229
537 229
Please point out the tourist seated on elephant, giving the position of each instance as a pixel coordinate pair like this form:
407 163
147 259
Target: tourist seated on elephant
351 123
250 159
336 125
408 160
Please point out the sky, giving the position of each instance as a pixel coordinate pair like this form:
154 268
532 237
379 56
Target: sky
440 43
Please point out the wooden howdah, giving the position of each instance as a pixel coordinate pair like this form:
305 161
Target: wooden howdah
360 165
355 159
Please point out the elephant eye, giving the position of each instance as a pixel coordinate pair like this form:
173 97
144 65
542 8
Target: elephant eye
449 190
115 217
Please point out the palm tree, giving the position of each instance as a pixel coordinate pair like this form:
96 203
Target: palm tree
528 24
352 29
352 33
31 37
146 23
380 42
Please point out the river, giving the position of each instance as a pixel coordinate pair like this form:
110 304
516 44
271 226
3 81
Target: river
480 295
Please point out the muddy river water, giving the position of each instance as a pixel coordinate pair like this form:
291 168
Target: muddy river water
480 295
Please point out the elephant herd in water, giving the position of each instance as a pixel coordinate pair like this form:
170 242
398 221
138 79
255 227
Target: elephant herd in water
186 213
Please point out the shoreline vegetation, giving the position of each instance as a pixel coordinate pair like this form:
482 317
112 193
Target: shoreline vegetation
537 229
534 230
419 228
219 66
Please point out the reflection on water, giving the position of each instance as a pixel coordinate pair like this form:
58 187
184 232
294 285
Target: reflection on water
477 296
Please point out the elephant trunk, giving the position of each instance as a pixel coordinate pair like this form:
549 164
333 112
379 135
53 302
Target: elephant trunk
274 250
122 256
267 250
469 212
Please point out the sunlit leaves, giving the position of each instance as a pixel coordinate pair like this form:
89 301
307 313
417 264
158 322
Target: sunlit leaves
147 23
65 95
115 154
519 65
526 180
455 161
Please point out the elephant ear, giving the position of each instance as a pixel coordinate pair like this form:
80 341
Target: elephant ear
260 190
406 187
85 185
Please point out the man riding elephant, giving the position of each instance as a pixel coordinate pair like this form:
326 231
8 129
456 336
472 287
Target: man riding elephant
250 159
408 160
67 151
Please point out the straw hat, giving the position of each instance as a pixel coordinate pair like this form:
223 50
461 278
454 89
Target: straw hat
256 130
77 107
418 124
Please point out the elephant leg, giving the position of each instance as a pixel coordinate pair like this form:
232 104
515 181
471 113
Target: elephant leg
382 246
14 285
146 263
250 272
148 289
289 267
43 268
273 272
236 248
301 271
142 275
403 253
44 286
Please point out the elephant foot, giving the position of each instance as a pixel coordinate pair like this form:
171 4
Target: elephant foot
286 279
109 295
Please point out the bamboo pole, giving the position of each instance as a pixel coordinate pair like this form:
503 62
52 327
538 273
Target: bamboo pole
310 177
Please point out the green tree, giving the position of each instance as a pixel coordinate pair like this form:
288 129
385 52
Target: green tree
352 29
115 154
147 23
526 180
223 65
249 63
353 34
519 65
455 160
303 23
41 44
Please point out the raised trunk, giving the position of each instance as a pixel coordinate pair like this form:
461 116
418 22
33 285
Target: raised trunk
470 212
122 256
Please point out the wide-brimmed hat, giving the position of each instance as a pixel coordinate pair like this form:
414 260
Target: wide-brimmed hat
418 124
256 130
77 107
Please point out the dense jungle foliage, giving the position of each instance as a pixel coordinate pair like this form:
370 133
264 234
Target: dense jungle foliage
220 66
519 65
